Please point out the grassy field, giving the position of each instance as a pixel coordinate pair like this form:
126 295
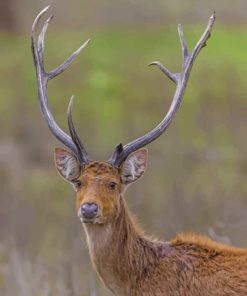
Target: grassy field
197 174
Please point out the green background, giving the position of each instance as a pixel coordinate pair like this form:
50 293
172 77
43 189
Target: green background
196 178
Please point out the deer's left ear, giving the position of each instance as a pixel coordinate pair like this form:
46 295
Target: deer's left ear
134 166
67 164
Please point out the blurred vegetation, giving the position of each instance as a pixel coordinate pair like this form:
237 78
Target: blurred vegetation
196 179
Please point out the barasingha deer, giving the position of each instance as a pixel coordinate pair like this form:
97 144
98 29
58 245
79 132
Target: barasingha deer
127 261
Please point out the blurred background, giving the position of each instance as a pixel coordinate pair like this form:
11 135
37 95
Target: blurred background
196 179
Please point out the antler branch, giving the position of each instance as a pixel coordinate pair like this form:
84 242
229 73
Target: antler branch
73 142
181 80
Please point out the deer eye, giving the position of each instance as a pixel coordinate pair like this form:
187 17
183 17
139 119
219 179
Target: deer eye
112 185
77 184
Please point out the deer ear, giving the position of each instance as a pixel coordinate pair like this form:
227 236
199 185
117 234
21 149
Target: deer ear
67 164
134 166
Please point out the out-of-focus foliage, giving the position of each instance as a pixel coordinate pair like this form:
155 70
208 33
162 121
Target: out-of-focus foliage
96 13
196 180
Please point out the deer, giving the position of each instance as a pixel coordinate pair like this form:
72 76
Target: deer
129 262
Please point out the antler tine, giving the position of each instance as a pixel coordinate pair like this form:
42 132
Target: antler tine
42 82
60 69
168 73
74 135
184 47
181 80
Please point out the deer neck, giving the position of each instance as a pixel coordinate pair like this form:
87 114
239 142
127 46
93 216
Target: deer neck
120 253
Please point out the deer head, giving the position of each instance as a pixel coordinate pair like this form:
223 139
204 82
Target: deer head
99 185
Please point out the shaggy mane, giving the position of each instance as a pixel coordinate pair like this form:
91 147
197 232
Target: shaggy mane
202 241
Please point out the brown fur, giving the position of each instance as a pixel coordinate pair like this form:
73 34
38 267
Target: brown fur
131 264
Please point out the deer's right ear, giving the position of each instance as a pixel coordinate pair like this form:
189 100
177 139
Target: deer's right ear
67 164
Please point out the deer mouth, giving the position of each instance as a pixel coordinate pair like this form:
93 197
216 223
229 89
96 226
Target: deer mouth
95 220
91 221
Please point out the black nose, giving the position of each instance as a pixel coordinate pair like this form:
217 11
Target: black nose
89 210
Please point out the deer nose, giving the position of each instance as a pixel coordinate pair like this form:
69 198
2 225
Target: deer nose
89 210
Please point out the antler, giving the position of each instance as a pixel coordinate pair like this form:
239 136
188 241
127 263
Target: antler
73 142
180 79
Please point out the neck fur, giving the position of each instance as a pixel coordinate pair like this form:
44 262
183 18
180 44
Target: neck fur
120 253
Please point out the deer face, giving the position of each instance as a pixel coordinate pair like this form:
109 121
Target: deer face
99 185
